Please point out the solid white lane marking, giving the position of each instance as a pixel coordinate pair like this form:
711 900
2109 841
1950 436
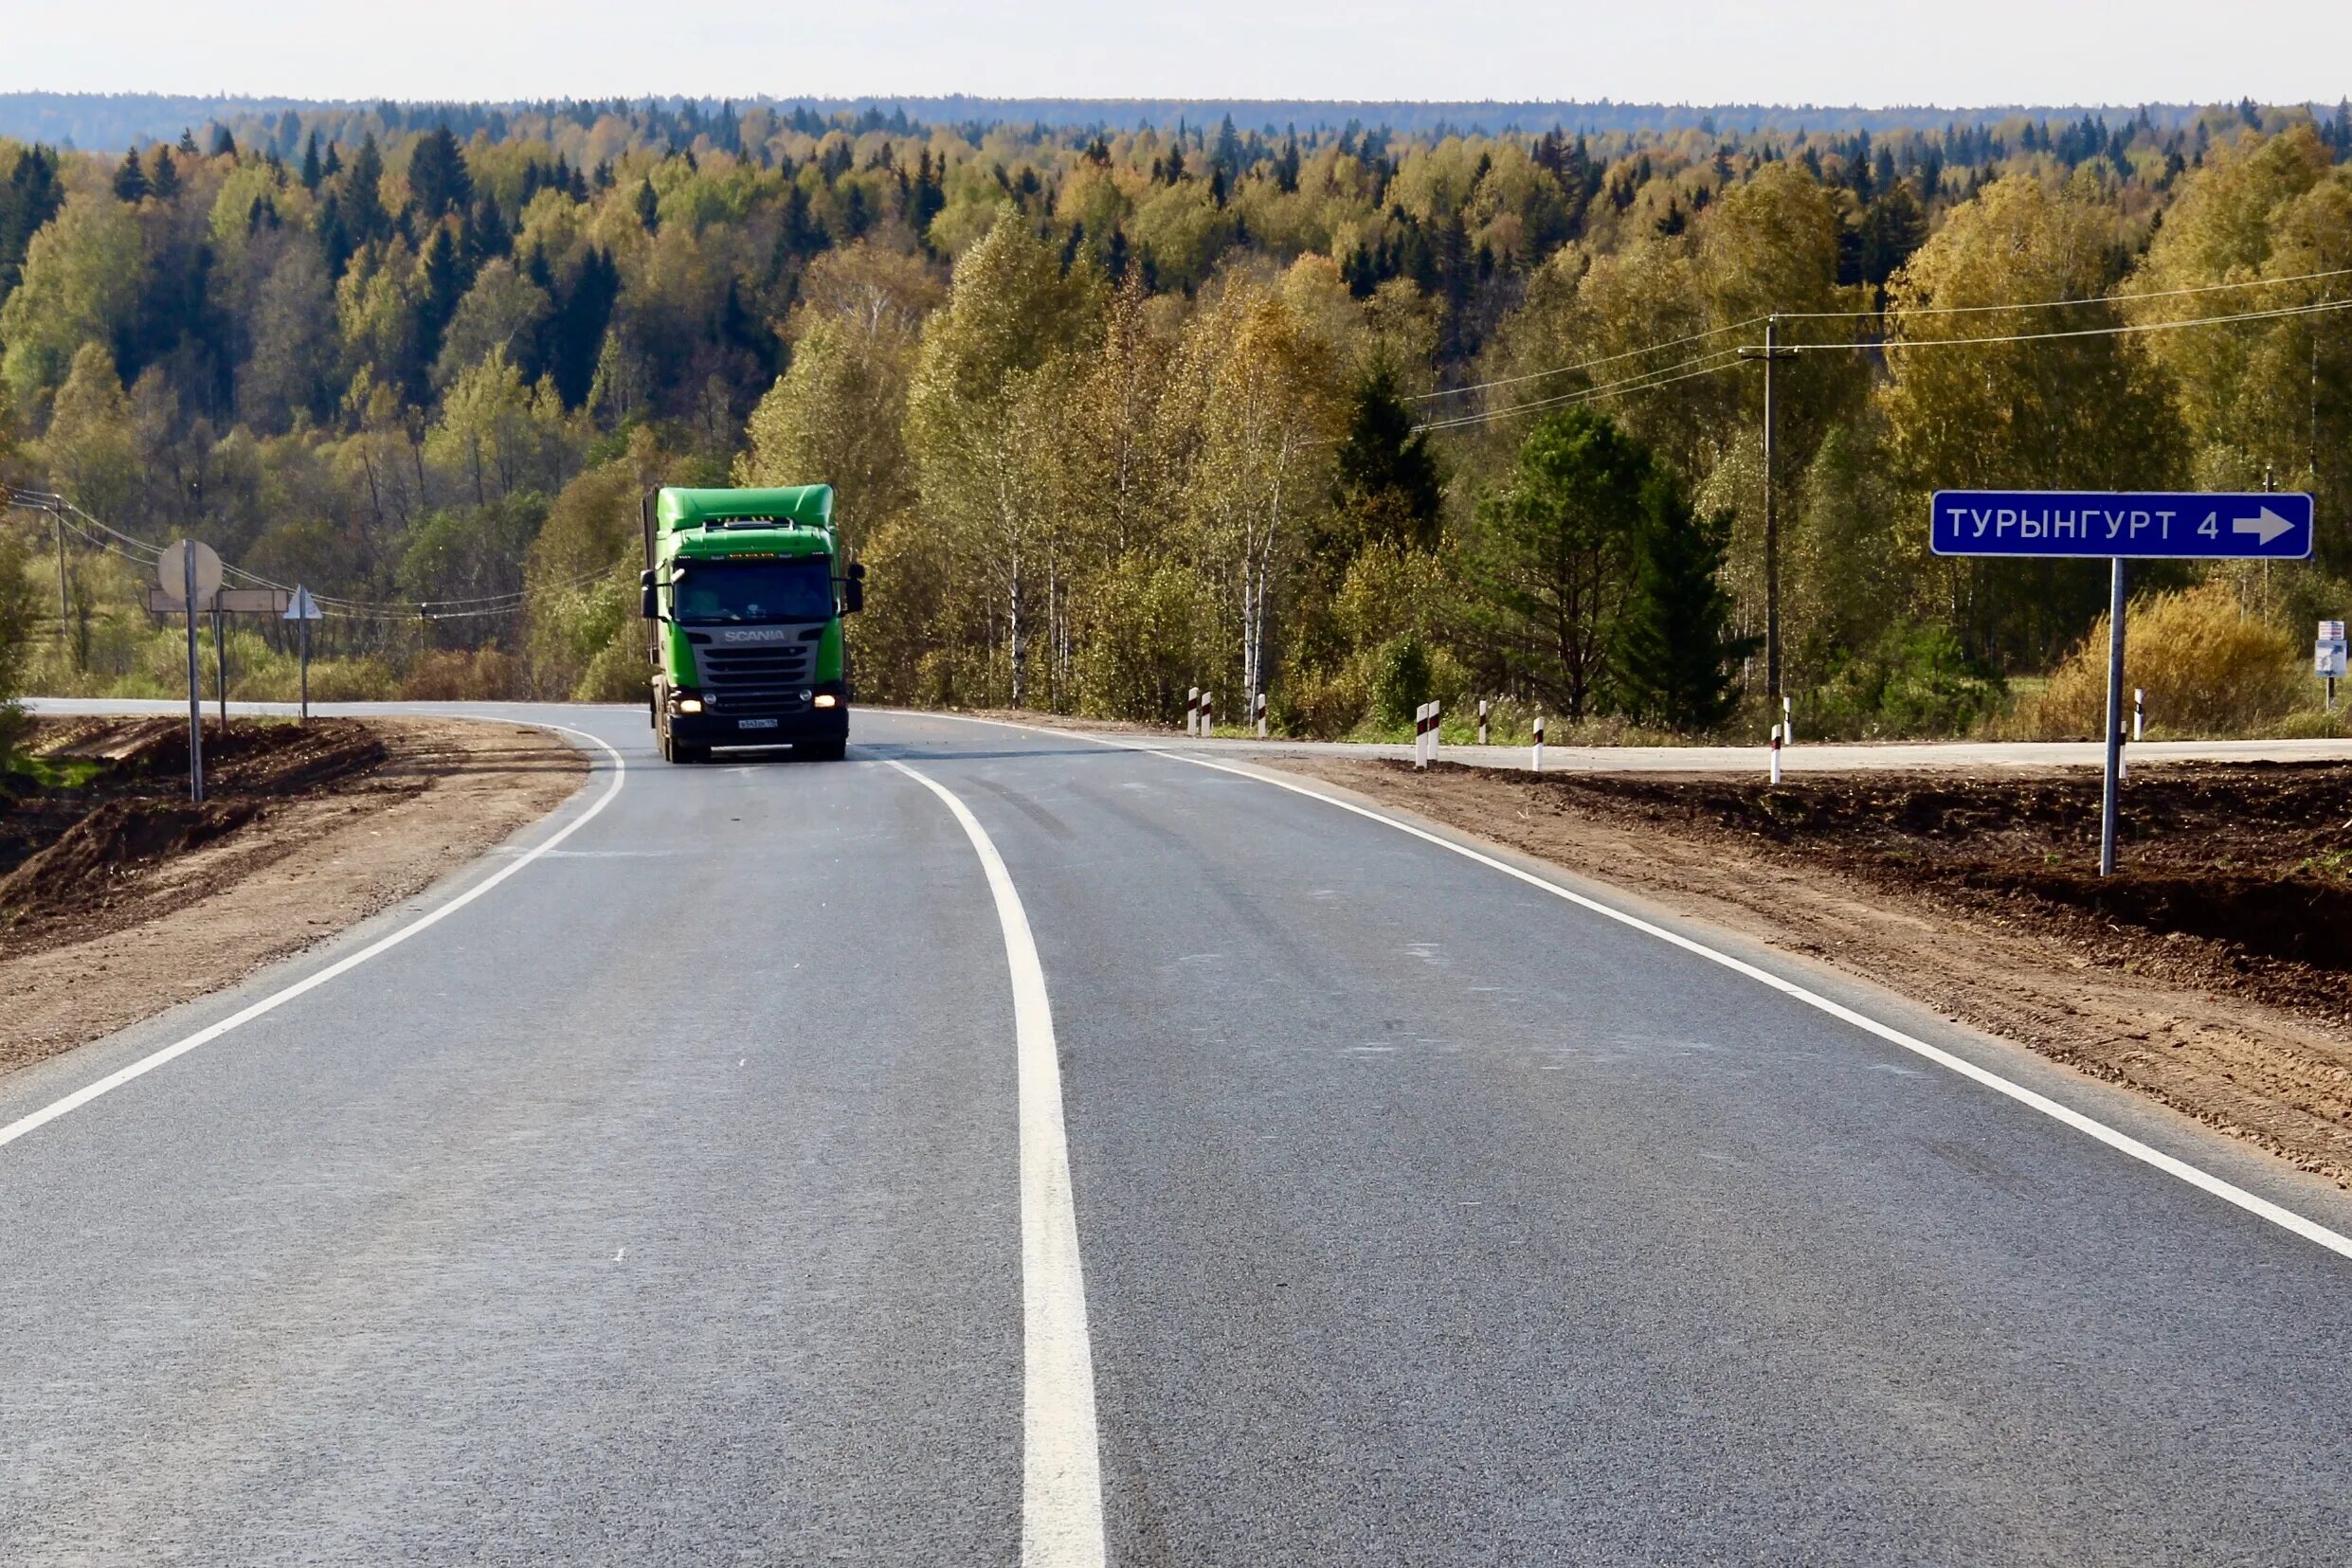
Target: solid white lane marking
1061 1463
344 965
2205 1181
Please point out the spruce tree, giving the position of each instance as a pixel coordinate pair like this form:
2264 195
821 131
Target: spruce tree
130 180
313 172
1674 649
363 202
649 208
163 180
444 286
438 181
1385 472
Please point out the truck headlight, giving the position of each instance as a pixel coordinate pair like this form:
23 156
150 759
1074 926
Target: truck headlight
826 699
690 705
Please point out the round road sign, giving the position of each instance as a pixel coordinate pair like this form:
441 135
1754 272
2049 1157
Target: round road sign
171 570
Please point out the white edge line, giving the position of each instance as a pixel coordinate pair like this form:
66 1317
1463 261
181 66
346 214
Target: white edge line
343 965
1061 1468
2205 1181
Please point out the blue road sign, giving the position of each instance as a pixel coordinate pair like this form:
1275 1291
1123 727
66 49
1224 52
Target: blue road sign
2130 523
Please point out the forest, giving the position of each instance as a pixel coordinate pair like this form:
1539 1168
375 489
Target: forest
1351 417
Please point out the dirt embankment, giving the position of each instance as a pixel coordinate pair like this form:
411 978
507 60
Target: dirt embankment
119 898
2212 973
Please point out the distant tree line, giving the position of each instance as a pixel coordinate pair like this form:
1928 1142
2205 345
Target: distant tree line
1343 414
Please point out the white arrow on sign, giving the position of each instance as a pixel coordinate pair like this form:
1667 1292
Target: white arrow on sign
2265 528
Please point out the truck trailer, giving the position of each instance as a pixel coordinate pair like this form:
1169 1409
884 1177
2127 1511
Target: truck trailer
744 594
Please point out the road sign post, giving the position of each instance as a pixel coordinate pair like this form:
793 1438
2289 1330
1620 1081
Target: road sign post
189 574
2327 657
2120 526
303 610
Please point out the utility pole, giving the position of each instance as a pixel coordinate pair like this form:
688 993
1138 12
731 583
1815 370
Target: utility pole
65 605
1768 354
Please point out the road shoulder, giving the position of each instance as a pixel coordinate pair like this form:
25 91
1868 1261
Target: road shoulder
2271 1078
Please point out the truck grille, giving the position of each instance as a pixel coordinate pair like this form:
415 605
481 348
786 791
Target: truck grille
759 680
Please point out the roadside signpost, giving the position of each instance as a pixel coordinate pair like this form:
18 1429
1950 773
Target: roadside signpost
2121 526
193 571
302 611
2327 657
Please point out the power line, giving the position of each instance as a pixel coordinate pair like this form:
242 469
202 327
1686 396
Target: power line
1668 375
435 609
1663 376
1898 314
1589 364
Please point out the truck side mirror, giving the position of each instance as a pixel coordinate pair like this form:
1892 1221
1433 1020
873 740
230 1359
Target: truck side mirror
854 590
646 596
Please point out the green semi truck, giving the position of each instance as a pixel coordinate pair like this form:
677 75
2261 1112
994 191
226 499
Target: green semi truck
743 593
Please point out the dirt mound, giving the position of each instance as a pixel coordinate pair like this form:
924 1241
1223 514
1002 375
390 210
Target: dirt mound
111 845
85 830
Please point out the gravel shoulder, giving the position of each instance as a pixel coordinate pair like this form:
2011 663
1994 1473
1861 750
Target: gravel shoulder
2214 979
105 929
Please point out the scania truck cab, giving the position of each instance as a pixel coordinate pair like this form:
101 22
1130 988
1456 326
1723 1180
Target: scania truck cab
743 593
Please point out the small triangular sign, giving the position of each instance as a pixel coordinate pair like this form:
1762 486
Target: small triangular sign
303 607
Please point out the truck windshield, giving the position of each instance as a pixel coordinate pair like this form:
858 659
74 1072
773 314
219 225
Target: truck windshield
716 593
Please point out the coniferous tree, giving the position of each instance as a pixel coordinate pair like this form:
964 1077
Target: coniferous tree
576 330
223 145
649 208
1675 652
334 236
363 201
438 181
163 180
1385 471
313 172
444 286
27 202
130 180
1550 565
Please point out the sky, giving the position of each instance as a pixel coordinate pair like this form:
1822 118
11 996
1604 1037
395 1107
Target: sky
1959 53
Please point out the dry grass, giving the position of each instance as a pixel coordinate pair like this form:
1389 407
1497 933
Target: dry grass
2208 668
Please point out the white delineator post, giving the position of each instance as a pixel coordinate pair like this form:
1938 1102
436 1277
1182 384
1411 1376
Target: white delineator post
1536 763
1482 711
1208 715
2138 712
1192 710
1788 725
1776 753
1261 715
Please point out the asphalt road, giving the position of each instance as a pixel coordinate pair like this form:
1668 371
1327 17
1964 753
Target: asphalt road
689 1196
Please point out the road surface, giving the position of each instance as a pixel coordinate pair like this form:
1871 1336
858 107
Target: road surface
1065 1153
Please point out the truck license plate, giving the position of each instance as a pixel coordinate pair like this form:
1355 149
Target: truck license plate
755 723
